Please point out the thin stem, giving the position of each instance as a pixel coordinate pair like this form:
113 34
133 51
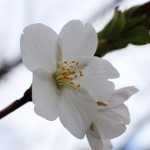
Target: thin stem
7 67
16 104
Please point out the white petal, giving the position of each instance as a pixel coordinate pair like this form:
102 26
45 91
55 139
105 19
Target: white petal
44 95
78 40
96 72
107 144
121 95
94 141
39 47
76 110
98 66
112 122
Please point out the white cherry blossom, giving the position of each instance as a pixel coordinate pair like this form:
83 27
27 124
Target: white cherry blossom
111 120
67 78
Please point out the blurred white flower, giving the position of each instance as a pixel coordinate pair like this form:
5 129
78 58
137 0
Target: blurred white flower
67 78
111 120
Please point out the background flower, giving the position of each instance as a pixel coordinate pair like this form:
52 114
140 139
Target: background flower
112 118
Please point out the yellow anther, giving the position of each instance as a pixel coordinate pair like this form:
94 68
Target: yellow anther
71 83
80 71
68 69
65 62
77 63
100 103
78 85
64 73
75 76
74 88
67 74
81 74
64 77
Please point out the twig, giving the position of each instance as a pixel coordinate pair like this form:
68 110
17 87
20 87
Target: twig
16 104
7 67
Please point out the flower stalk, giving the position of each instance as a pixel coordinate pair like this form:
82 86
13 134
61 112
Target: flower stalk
126 27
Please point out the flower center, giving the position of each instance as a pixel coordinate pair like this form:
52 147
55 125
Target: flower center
66 74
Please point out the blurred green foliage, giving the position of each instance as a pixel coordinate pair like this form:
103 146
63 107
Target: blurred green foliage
129 27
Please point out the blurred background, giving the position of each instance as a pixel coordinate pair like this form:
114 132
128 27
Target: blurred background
23 129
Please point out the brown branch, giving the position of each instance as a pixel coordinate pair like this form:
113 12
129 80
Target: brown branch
8 66
16 104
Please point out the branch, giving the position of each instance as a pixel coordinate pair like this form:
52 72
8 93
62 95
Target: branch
7 67
16 104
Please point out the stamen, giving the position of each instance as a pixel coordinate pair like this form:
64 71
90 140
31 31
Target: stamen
66 74
71 83
80 71
74 88
68 69
100 103
77 63
65 62
81 74
75 76
78 85
92 127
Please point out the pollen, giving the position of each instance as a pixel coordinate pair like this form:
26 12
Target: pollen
66 75
71 83
78 85
77 63
75 76
81 74
80 71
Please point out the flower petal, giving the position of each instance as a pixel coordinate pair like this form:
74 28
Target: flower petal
39 47
94 141
98 66
76 110
44 95
121 95
112 123
107 144
78 40
96 72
